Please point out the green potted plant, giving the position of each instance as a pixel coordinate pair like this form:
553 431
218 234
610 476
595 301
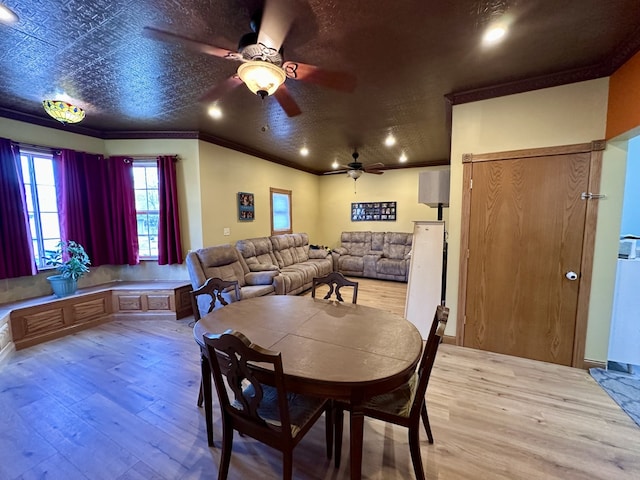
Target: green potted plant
72 262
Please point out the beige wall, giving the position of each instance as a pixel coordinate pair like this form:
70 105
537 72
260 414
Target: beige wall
562 115
338 191
225 172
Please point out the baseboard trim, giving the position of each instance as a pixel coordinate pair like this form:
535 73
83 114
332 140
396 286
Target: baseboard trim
587 364
449 339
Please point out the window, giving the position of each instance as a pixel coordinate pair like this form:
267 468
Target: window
42 207
280 211
145 184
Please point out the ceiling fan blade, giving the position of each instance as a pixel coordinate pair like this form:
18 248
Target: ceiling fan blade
277 18
286 101
375 172
190 43
333 172
374 166
220 90
342 81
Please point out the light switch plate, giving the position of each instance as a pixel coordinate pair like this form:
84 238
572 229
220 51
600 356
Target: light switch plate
226 231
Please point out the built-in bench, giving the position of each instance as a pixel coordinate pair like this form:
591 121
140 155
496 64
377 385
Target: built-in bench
40 319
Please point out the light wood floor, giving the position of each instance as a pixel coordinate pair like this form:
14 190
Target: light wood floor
118 402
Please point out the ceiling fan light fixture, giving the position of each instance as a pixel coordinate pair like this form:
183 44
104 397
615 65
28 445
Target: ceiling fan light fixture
355 174
63 111
262 78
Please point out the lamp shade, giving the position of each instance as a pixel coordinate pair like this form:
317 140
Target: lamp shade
62 111
262 78
355 174
433 187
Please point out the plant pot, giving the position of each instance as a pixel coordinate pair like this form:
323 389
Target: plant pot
63 287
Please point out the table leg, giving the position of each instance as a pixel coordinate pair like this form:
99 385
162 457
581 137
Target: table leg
208 401
357 431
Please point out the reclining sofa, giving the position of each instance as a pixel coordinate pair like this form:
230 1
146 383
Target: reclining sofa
381 255
280 265
291 256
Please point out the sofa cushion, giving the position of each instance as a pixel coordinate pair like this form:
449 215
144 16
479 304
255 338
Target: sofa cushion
377 241
257 252
221 261
351 263
356 243
397 245
390 266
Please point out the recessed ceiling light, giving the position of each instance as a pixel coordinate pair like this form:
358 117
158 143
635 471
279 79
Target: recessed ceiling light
7 15
403 158
304 151
215 112
390 141
494 34
335 164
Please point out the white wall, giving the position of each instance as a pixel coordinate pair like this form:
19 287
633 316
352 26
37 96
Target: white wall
563 115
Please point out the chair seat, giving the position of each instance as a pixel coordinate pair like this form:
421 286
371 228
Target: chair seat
398 401
301 407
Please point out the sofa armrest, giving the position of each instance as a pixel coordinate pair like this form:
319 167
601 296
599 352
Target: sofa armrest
340 251
261 278
262 267
318 253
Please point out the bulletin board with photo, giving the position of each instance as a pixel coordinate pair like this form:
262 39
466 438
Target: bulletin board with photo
374 212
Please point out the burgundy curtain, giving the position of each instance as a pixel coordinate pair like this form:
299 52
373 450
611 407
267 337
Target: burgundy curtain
82 198
169 246
123 212
16 254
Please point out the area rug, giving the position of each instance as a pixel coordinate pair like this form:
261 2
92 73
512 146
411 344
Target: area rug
624 388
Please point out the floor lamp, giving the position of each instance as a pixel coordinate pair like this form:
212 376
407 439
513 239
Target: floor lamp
434 191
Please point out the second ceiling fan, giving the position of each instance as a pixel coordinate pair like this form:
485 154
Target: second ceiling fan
355 169
263 68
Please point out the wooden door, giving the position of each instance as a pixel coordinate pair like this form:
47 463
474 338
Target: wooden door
526 232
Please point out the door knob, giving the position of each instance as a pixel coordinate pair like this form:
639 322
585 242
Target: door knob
571 276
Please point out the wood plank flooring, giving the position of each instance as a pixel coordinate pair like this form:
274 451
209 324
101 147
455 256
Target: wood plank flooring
118 402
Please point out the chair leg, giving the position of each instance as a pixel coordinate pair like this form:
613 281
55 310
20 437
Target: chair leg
338 420
425 422
416 457
200 396
287 465
329 427
227 445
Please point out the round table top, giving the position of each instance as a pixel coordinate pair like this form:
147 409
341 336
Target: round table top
328 348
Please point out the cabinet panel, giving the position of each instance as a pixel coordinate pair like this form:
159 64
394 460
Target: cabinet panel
129 302
88 310
41 322
159 302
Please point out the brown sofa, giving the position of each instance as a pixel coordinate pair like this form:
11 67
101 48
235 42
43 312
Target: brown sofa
291 256
381 255
225 262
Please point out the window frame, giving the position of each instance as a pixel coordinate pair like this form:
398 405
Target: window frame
39 257
281 191
146 163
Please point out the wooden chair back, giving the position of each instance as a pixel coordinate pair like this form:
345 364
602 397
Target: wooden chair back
336 281
214 288
230 356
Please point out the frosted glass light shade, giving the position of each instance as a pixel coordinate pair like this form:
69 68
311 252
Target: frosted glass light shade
262 78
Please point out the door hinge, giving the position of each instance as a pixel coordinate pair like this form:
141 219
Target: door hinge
592 196
464 320
470 183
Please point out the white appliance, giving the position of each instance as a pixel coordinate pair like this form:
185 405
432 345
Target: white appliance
624 339
424 289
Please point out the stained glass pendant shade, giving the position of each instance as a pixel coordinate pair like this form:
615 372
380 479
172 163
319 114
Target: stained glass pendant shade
62 111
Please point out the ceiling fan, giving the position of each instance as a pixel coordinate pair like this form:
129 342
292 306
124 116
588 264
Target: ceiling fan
263 69
355 169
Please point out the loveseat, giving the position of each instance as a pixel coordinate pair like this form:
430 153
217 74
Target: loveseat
291 256
381 255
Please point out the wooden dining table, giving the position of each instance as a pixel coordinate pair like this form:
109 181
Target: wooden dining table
329 349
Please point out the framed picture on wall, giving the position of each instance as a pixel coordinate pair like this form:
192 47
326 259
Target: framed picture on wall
373 212
245 207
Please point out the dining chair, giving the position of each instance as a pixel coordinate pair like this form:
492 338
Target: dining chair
335 281
406 405
255 402
212 288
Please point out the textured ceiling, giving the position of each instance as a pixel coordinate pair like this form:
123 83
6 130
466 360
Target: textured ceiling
412 59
